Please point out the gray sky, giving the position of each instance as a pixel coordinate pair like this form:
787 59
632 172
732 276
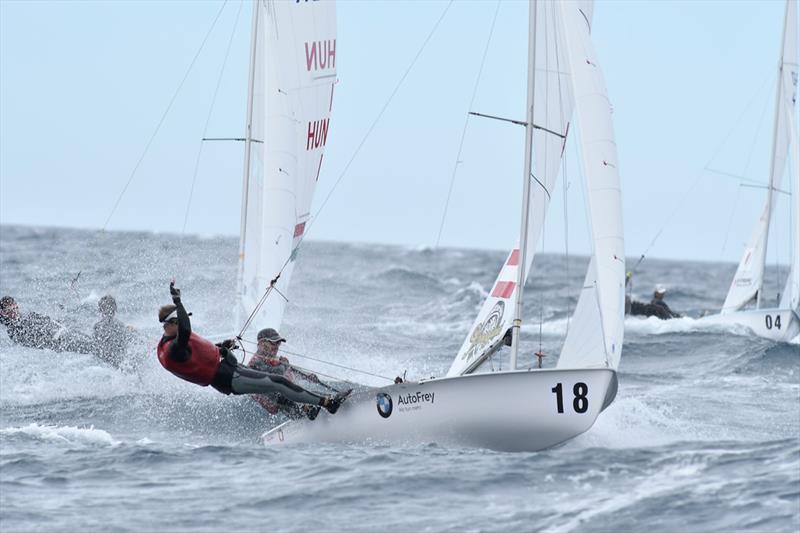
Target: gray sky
83 86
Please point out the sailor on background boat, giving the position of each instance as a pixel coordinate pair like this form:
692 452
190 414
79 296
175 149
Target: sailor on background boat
197 360
111 336
658 301
40 331
266 360
657 306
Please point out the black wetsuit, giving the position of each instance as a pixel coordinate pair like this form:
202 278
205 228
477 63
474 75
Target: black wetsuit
40 331
667 312
232 377
111 339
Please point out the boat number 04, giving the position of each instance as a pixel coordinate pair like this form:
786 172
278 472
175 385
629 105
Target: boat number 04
770 322
580 403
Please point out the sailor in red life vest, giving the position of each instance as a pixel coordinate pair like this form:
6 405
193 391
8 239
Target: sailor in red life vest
197 360
266 360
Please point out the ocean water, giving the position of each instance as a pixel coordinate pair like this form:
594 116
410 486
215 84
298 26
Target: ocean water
704 434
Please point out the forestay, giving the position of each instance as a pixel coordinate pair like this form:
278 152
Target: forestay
552 111
749 275
293 73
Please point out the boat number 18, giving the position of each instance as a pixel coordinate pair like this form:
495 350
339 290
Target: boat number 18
770 322
580 403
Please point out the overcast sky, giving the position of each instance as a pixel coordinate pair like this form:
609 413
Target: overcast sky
83 86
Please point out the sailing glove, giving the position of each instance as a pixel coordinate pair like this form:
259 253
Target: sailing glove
175 293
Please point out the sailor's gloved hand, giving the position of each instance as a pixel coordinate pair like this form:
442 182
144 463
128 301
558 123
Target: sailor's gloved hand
175 293
228 343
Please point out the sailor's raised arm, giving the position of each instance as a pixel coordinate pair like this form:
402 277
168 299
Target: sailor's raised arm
178 350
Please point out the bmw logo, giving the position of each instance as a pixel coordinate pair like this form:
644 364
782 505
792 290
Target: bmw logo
384 403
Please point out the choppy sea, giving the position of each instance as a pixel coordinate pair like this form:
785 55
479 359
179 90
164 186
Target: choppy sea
704 434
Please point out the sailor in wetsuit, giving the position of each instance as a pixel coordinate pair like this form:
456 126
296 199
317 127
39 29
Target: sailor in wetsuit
111 337
266 360
40 331
658 301
197 360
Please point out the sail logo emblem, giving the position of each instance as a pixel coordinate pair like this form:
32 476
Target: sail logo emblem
486 331
384 403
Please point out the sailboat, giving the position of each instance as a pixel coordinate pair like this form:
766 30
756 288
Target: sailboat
745 303
516 409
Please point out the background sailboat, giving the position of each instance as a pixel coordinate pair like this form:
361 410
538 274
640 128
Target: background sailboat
780 323
523 409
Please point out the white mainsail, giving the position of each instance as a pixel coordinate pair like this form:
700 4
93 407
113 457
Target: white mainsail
596 336
552 110
749 277
293 73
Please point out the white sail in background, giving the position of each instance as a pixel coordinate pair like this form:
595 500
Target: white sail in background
601 308
293 77
749 275
790 298
552 111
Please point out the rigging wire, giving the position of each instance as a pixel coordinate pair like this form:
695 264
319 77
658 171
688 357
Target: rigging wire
208 117
164 116
730 223
320 360
742 178
466 123
685 196
374 123
546 149
565 188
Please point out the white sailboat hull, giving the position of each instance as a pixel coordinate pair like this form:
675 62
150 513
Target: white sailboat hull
779 325
507 411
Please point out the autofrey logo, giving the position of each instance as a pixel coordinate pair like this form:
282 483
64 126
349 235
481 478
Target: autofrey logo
384 403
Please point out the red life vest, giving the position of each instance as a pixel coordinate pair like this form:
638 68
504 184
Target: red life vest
202 364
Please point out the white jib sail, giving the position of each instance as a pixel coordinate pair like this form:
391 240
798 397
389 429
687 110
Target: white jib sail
595 339
552 111
293 77
749 275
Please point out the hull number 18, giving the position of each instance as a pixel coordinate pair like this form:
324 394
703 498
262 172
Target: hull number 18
580 402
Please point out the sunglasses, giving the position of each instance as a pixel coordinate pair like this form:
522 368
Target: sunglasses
170 321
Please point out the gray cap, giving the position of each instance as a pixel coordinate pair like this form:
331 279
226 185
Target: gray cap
270 335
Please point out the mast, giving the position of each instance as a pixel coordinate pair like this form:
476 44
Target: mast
526 181
248 138
772 170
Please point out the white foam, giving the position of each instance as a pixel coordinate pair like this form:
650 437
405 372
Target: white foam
634 422
92 298
655 326
64 434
